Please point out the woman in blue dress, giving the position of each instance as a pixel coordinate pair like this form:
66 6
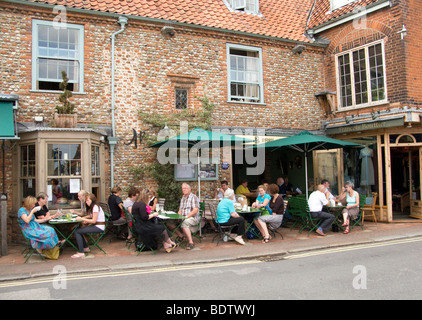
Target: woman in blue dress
40 236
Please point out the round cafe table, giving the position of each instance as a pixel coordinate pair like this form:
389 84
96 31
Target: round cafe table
65 232
336 211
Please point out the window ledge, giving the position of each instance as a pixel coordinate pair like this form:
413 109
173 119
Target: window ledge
363 106
54 91
243 102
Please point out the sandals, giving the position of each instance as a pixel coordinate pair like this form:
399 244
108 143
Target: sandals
78 255
266 240
347 230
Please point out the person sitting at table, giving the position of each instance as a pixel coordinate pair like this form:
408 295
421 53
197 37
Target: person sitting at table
242 189
274 220
93 222
352 205
128 204
189 207
40 236
316 201
82 194
286 188
145 227
219 192
115 204
42 200
152 200
227 215
263 199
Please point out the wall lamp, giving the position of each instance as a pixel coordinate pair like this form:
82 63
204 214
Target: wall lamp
167 30
298 49
403 32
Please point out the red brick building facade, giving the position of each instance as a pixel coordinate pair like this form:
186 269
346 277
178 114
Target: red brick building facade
164 46
372 95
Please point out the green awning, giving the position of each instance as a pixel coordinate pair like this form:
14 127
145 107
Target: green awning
7 120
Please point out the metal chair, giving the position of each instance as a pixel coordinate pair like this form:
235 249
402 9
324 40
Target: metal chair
130 225
197 234
112 224
359 220
223 231
370 208
95 238
29 250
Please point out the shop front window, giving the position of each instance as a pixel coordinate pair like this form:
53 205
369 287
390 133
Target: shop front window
63 175
27 170
360 165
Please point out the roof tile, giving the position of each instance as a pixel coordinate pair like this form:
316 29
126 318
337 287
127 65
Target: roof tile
321 12
277 18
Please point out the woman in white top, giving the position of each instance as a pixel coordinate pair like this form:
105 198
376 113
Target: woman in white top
95 221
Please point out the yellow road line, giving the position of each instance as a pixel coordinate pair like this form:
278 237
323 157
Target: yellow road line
351 248
47 279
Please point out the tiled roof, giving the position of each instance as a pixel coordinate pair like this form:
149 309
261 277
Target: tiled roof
321 12
278 18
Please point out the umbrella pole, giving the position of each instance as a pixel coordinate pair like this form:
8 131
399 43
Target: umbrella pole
199 196
306 175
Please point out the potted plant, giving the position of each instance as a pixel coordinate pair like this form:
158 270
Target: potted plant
65 116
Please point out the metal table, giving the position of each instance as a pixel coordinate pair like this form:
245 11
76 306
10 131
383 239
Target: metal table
61 221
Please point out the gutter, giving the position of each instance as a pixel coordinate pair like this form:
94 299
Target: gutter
112 141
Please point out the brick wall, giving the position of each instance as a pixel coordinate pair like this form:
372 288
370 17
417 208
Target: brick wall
145 61
413 44
402 57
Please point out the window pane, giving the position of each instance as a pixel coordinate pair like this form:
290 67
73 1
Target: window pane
365 90
181 98
345 80
359 66
64 159
57 52
377 72
245 75
62 197
95 161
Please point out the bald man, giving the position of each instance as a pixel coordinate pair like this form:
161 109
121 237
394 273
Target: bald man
316 201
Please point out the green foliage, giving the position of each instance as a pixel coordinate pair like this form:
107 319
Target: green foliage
168 188
200 119
66 107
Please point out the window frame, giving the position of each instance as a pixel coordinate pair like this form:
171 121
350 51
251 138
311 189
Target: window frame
79 54
87 138
260 73
176 98
24 176
244 5
368 77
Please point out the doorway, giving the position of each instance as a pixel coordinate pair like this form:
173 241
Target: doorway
405 181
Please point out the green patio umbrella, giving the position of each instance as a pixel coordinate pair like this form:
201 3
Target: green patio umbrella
306 142
198 139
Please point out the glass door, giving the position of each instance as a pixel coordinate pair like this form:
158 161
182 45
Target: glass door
415 158
328 164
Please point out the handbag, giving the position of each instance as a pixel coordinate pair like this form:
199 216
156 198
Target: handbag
52 253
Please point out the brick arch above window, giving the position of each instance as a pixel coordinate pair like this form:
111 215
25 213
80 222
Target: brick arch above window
351 37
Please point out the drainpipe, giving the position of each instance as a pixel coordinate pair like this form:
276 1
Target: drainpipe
113 139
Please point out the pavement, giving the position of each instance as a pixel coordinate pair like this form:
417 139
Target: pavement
120 258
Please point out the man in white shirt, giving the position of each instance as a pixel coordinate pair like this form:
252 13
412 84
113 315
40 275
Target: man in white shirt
219 192
316 201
